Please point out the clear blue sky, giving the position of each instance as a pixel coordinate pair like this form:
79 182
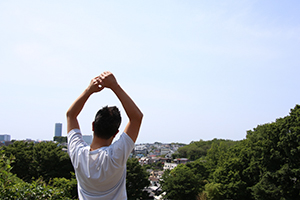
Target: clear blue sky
197 69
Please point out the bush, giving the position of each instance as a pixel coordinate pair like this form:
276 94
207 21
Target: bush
69 186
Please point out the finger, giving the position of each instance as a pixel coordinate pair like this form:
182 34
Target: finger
98 79
95 81
106 73
102 76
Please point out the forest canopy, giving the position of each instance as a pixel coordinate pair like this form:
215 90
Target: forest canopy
265 165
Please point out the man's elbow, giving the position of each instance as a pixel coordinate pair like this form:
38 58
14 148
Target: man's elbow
69 114
137 117
140 116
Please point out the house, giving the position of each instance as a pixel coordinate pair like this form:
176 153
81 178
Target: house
156 174
141 149
164 151
154 181
170 166
181 160
164 160
144 160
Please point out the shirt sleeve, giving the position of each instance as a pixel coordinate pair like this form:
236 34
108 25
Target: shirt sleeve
121 149
75 145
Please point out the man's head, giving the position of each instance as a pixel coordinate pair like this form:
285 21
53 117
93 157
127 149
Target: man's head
107 122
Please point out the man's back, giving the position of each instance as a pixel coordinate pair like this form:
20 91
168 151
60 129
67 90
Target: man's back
101 173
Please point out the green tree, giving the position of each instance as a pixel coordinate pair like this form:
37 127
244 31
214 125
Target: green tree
199 149
217 154
180 183
44 159
213 191
185 181
155 166
60 139
23 152
7 179
12 187
69 186
136 180
266 164
51 162
279 157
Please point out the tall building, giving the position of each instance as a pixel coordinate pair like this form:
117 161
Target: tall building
4 137
58 129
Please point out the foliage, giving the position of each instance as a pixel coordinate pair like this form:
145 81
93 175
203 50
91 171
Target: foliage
213 191
45 159
199 149
185 181
7 179
155 166
35 190
60 139
217 154
23 153
265 165
136 180
12 187
279 157
69 186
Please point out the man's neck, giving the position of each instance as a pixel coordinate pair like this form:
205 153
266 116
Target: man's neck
97 143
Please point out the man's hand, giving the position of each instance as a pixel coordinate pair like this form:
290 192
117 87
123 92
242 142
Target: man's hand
76 107
107 79
95 85
134 114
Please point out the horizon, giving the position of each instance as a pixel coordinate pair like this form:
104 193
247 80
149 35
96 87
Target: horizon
136 143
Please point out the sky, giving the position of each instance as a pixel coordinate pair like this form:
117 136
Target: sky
198 70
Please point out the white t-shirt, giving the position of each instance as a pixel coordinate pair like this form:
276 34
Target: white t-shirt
100 174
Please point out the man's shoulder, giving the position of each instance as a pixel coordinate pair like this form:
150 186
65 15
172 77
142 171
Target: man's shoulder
74 133
75 139
124 143
124 137
75 130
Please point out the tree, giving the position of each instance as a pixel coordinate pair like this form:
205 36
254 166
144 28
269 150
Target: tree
199 149
69 186
180 183
185 181
51 162
217 154
159 165
12 187
60 139
23 153
44 159
280 157
213 191
266 164
136 180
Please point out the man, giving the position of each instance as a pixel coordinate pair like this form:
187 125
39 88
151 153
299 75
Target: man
101 167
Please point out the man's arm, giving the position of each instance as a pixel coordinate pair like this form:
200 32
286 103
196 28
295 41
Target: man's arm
76 107
133 112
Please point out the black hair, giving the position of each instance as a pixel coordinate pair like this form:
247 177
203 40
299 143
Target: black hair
107 122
